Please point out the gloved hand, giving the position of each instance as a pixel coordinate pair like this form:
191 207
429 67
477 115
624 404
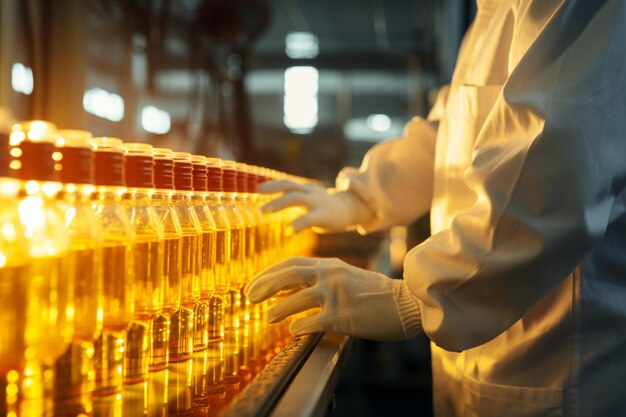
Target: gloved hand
327 210
353 301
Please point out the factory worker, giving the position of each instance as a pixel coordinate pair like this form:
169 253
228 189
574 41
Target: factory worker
522 285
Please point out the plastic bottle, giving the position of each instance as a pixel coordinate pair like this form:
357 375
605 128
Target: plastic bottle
118 263
74 371
182 331
203 389
14 273
41 299
148 248
172 270
206 247
221 270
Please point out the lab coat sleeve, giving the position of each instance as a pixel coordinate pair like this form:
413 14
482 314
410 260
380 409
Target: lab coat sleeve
548 168
439 106
395 178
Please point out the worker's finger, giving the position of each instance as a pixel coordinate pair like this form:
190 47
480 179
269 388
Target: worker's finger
293 261
298 302
302 223
267 285
280 186
314 218
316 323
290 199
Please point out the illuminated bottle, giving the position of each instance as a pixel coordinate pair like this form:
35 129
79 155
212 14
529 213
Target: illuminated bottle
172 271
41 299
251 222
206 247
148 258
182 331
173 233
277 225
273 220
74 371
250 262
206 392
258 341
14 274
190 225
221 286
254 203
117 267
235 308
270 243
221 273
237 243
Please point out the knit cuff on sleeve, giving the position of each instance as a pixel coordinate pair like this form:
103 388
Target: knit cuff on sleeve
408 309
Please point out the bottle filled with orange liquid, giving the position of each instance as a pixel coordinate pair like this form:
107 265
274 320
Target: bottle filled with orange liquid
14 264
118 264
206 262
250 264
235 313
204 393
148 249
221 269
172 272
220 297
74 371
237 243
258 343
39 297
183 321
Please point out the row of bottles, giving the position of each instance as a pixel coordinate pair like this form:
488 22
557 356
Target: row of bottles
122 269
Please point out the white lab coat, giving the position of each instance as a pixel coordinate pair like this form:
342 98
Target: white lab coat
522 285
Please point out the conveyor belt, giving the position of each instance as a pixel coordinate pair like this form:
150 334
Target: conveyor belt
259 398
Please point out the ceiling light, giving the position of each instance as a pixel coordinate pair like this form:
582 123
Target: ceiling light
379 122
22 78
300 100
155 120
301 45
104 104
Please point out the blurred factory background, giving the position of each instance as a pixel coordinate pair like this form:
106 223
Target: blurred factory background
302 86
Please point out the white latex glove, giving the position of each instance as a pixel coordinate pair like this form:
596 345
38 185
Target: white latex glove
353 301
327 210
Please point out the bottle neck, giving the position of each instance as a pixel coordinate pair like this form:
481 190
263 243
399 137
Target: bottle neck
110 192
239 196
45 189
162 195
9 187
139 194
198 197
213 198
77 192
182 196
228 197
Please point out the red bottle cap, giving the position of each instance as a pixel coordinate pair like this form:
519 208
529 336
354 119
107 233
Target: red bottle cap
6 121
199 173
242 177
214 175
77 162
183 171
252 178
163 168
138 165
5 155
229 177
262 175
108 161
35 140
